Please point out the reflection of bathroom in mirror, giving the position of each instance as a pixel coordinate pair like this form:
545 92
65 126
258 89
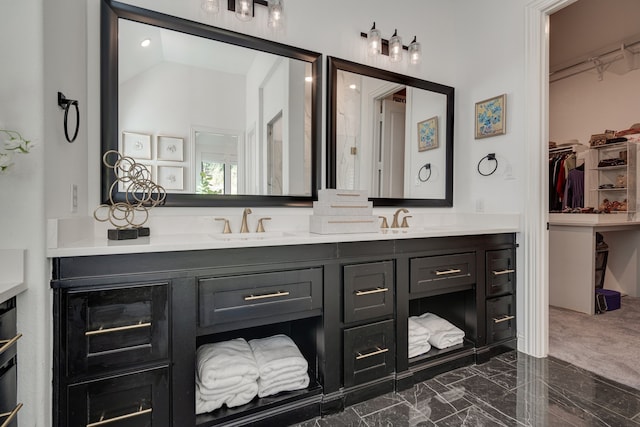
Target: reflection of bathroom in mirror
250 90
241 114
374 131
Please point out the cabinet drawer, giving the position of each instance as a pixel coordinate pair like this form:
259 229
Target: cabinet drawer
252 296
369 352
8 332
501 318
368 290
140 400
501 272
114 328
9 393
443 274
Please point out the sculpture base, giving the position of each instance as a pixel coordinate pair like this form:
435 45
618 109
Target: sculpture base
143 231
122 233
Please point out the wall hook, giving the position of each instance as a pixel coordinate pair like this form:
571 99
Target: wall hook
66 104
488 157
426 168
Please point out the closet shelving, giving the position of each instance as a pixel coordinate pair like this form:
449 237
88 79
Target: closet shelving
611 180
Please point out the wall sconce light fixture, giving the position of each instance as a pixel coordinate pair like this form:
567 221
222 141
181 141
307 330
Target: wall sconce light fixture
393 48
210 6
276 14
244 10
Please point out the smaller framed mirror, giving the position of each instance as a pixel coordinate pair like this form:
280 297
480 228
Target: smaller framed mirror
389 134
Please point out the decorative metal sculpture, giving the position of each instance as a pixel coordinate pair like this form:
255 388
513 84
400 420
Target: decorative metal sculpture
141 194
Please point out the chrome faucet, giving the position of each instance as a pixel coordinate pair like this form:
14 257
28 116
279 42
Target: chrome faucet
395 224
244 228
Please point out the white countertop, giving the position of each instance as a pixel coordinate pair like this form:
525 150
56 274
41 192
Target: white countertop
11 273
98 244
593 220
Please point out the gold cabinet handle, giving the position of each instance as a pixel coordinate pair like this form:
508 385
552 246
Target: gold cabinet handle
503 318
264 296
120 418
118 329
10 415
449 271
377 351
371 291
501 272
6 344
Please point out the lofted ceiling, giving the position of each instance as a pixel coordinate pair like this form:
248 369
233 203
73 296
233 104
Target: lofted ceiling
589 29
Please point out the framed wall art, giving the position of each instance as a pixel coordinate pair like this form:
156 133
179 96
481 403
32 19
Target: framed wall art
171 177
491 118
136 145
170 148
428 134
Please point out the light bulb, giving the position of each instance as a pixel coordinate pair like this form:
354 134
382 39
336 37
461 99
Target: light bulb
374 41
244 10
210 6
415 52
395 47
276 14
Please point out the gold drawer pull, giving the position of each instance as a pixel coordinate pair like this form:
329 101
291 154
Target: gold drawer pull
120 418
500 273
118 329
373 353
274 295
449 271
503 318
371 291
6 344
10 415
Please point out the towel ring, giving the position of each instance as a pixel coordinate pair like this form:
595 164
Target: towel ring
426 167
488 157
66 104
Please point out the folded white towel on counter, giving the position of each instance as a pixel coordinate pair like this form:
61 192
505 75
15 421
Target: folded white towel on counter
278 357
419 348
208 402
416 330
224 364
443 333
218 392
287 383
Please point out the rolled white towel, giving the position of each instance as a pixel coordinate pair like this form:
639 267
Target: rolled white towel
419 348
218 392
240 396
416 330
443 333
225 364
278 357
276 385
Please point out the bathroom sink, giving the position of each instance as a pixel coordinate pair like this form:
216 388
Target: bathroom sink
267 235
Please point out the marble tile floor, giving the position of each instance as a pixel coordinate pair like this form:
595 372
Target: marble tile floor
512 389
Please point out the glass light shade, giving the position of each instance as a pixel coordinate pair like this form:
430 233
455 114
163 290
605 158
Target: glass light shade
395 48
415 52
244 10
210 6
374 41
276 13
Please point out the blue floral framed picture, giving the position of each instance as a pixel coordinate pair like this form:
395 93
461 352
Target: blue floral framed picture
428 134
491 117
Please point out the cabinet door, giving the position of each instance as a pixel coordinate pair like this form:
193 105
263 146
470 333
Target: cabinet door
368 291
8 331
501 272
369 352
134 400
501 318
114 328
8 393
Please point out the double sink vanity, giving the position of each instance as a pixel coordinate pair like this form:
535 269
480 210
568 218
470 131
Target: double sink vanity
129 316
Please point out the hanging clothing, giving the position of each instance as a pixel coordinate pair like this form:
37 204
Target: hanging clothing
574 189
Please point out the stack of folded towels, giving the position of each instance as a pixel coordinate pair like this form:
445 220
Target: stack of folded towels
281 365
429 330
226 373
234 372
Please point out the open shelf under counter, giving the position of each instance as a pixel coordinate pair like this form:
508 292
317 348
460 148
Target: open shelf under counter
436 354
306 402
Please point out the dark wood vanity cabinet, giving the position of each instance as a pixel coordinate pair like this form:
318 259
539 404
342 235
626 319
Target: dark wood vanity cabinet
8 364
127 327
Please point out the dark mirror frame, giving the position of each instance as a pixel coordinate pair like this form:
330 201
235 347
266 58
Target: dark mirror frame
335 64
111 11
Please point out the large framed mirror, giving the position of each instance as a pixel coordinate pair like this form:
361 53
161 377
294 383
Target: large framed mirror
219 118
389 134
